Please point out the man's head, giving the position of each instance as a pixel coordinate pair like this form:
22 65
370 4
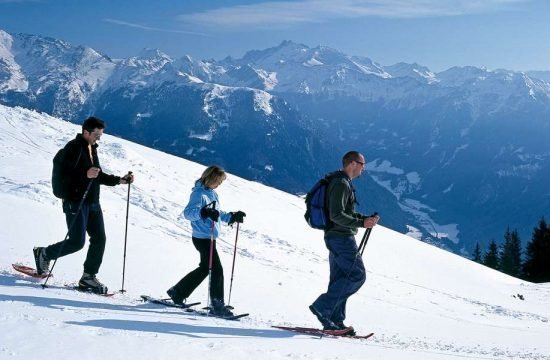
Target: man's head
353 163
92 129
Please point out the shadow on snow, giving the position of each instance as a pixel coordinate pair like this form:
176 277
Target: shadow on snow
141 309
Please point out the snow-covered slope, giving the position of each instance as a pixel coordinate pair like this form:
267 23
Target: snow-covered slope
422 302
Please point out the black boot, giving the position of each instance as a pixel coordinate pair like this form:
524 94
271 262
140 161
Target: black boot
325 321
90 282
42 263
173 294
218 308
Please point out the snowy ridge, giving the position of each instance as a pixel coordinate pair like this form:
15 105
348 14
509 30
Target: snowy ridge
10 71
262 101
412 70
421 302
41 66
37 64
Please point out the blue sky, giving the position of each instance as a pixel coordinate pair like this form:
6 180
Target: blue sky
439 34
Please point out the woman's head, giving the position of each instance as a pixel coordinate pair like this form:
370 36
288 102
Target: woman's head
213 176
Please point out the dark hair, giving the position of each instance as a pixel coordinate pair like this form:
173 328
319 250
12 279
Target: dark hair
350 157
92 123
212 175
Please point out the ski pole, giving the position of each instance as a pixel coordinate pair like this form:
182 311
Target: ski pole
73 221
365 239
126 233
233 267
210 265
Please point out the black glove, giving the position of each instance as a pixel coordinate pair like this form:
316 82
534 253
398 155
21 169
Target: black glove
128 178
237 216
207 212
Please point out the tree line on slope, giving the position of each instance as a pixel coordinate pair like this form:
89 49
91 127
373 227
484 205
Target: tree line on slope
507 257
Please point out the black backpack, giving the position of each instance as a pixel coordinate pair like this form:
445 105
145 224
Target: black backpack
60 181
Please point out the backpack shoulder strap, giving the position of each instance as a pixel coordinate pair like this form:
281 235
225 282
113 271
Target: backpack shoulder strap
70 149
78 158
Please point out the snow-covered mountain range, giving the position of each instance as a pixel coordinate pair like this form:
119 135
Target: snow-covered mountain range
457 155
420 301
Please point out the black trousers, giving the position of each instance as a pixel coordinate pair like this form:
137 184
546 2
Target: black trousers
88 220
191 281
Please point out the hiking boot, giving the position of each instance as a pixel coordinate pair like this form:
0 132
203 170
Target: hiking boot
89 282
341 326
173 294
41 261
218 308
325 321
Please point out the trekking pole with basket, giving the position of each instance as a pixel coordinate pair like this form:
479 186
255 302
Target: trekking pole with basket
210 258
233 267
126 234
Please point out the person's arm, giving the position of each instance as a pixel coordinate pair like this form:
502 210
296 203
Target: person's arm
225 216
107 179
192 211
338 197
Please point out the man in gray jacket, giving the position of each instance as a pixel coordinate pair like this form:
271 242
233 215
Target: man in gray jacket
347 272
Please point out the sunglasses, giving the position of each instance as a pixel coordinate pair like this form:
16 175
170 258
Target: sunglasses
97 136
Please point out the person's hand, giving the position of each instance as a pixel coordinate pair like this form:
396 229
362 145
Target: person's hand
237 216
370 221
207 212
127 179
93 172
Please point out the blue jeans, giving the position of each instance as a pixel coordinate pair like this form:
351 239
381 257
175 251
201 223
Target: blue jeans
347 275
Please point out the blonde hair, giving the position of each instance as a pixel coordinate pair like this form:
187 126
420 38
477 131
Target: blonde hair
212 175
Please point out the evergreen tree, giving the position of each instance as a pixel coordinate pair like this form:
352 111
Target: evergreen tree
510 258
491 257
537 265
477 254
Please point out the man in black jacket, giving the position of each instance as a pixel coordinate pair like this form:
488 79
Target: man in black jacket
81 171
347 272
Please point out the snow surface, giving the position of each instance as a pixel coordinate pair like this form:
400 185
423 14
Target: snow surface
421 302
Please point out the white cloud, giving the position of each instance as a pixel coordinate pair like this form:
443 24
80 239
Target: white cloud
286 13
149 28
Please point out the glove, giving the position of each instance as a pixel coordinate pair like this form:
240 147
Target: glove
371 221
128 178
237 216
207 212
